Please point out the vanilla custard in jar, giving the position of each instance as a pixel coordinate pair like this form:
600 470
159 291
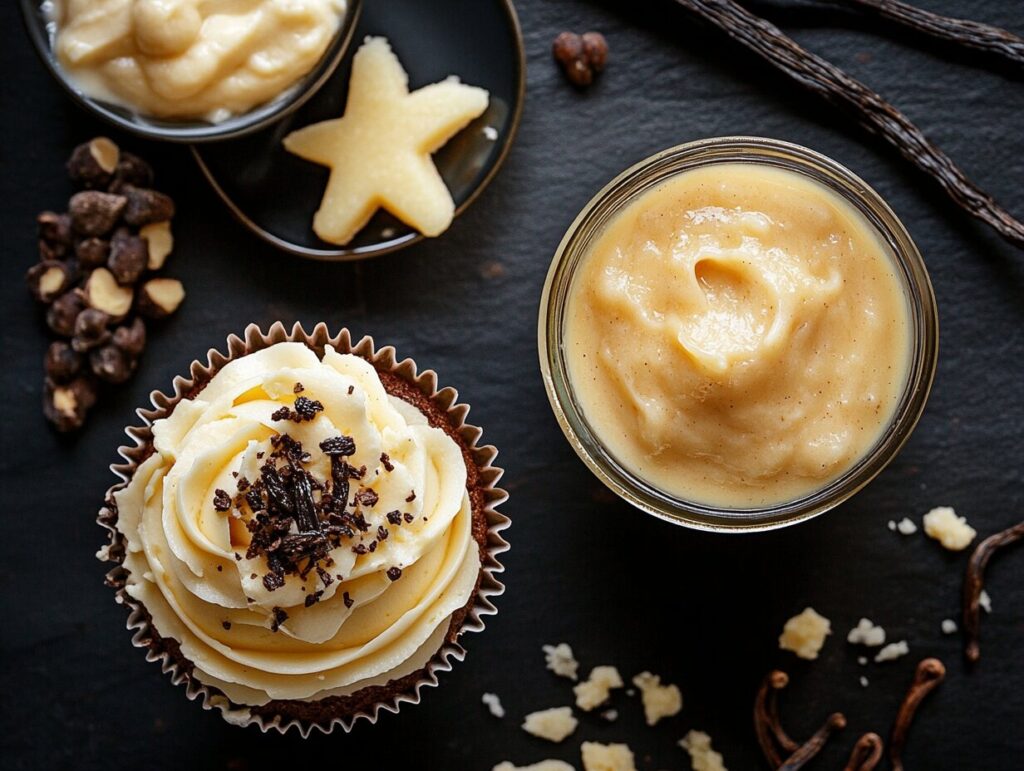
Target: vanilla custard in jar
738 335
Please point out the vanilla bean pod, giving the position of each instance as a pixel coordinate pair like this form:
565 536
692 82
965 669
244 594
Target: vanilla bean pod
872 111
930 672
834 722
963 32
866 753
974 582
767 725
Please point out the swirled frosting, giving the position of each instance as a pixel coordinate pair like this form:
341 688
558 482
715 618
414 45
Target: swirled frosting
188 553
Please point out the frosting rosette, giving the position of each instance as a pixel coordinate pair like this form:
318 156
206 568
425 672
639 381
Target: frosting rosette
300 532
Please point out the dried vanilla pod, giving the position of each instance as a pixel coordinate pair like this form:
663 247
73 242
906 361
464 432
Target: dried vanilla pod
48 280
92 164
96 271
60 318
94 213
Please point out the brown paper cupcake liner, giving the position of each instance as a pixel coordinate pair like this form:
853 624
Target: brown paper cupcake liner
486 495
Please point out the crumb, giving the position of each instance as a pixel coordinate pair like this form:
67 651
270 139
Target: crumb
985 601
607 757
659 700
493 704
947 528
544 765
892 525
490 133
805 634
866 633
595 690
862 660
702 757
892 651
949 626
631 692
551 724
611 715
906 526
863 682
559 659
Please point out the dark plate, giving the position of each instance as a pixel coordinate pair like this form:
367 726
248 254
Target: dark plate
275 193
41 33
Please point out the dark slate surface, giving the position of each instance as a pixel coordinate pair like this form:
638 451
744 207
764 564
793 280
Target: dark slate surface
583 568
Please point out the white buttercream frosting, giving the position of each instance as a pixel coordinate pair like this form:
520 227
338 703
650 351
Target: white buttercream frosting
187 561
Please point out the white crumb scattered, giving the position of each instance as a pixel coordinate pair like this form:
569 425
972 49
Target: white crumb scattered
594 691
559 659
906 526
863 681
607 757
702 757
949 626
985 601
103 555
551 724
611 715
866 633
544 765
631 692
862 660
892 525
387 232
947 528
659 700
892 651
493 704
490 132
805 634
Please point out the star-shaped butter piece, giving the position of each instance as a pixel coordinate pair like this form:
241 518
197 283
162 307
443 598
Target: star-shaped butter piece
379 150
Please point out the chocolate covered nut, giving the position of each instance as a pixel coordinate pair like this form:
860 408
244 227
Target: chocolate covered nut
66 405
146 206
93 163
48 280
90 330
111 364
160 297
62 362
94 213
128 256
55 229
160 242
60 318
92 252
133 171
131 338
103 293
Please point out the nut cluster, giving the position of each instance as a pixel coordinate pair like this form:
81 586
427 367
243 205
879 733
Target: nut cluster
95 275
581 56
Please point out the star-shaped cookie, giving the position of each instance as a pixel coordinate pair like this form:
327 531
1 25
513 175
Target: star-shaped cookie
379 150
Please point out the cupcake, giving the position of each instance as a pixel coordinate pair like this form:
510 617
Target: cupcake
304 530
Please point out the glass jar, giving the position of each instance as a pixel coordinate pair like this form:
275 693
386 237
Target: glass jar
625 189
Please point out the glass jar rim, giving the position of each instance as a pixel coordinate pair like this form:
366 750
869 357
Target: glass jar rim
623 190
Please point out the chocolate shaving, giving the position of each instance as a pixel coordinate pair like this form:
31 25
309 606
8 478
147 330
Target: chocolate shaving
298 388
347 600
394 573
974 583
412 497
279 618
338 445
367 498
221 500
385 461
408 517
394 517
226 624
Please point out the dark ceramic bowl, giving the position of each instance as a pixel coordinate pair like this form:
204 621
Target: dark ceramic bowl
42 33
275 193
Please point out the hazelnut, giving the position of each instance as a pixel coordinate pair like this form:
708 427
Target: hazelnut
62 362
103 293
160 297
60 318
131 338
66 405
49 279
49 251
90 330
128 256
93 163
146 206
94 213
111 364
581 56
55 228
133 171
92 252
595 50
160 242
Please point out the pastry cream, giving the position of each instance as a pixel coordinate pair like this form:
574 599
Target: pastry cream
737 336
188 563
192 58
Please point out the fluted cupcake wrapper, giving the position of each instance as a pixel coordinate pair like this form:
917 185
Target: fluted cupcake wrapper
165 650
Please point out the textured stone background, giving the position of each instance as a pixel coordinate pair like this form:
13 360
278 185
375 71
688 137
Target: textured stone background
583 568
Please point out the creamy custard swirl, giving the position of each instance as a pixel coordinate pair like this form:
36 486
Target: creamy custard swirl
192 58
187 561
